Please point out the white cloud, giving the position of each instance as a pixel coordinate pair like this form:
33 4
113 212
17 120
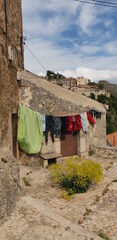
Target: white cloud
44 24
111 47
108 23
92 74
88 18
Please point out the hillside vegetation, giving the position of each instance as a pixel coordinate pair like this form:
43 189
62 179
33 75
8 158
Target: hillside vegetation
111 102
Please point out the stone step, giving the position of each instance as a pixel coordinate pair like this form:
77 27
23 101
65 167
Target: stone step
49 212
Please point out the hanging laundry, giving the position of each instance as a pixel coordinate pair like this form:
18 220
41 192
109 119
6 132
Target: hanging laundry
63 127
57 126
84 122
77 124
73 122
69 123
43 124
92 113
30 135
95 113
90 118
49 126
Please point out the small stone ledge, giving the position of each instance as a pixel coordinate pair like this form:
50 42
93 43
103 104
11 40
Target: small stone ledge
53 157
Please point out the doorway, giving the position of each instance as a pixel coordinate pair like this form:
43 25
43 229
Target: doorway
69 144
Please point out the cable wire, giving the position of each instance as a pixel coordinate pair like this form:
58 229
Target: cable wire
93 2
105 2
35 57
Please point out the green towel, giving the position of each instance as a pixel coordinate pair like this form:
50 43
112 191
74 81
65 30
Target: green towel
30 135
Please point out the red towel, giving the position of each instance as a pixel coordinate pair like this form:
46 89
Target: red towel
69 123
90 118
78 124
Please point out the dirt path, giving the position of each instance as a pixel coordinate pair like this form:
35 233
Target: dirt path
42 214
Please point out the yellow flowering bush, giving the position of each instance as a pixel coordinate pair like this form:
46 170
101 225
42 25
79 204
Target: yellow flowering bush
76 175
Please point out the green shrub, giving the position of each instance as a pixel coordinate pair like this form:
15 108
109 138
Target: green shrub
76 175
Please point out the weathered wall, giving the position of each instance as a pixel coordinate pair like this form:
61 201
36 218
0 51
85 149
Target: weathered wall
9 183
106 153
87 91
95 137
82 81
39 99
51 147
10 35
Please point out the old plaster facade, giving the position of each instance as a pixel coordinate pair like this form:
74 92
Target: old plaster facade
11 58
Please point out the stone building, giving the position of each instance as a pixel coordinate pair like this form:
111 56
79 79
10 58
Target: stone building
11 58
48 98
82 81
68 82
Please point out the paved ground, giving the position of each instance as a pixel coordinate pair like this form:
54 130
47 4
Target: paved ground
41 214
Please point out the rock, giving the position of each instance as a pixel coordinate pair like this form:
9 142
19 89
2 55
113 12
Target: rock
9 183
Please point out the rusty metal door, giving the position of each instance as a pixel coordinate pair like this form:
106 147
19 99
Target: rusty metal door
69 144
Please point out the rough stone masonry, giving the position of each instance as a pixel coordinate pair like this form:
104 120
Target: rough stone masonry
11 58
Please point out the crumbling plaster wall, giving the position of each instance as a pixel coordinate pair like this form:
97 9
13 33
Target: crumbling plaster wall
94 138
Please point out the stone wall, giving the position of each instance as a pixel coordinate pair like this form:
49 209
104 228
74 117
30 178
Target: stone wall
51 147
95 137
87 91
41 100
10 36
106 153
9 183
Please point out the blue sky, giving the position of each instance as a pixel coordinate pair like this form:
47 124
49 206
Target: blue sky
73 38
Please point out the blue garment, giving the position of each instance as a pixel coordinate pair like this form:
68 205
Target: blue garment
49 127
84 122
57 126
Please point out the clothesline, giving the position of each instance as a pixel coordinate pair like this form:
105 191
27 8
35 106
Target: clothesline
32 125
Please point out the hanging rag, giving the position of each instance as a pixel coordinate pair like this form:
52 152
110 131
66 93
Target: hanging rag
57 126
69 123
78 124
90 118
30 135
63 127
49 126
84 122
43 123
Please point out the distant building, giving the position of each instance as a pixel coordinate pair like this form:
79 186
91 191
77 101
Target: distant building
112 139
69 82
82 81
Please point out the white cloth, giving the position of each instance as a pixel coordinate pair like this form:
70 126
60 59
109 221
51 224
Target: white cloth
84 121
